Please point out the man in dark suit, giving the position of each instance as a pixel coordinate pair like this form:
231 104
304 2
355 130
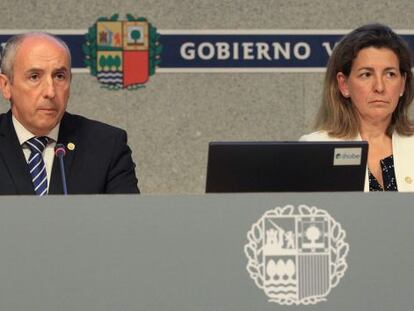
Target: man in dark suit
35 77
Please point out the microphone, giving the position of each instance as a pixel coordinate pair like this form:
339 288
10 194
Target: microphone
60 152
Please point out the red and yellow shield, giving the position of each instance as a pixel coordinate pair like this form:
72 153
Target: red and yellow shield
122 52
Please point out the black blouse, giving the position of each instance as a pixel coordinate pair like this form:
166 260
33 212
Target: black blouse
388 176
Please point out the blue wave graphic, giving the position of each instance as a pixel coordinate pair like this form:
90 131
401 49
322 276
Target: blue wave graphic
110 77
109 74
110 80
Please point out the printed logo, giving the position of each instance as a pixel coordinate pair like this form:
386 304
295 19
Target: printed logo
347 156
296 255
122 54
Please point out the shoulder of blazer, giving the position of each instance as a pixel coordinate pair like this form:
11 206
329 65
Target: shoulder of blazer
403 152
5 123
84 125
403 149
324 136
402 139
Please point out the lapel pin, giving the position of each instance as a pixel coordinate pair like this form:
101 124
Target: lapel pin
71 146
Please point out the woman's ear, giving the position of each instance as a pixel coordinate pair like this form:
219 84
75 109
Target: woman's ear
342 84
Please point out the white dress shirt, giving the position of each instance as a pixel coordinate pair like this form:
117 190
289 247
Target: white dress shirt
48 154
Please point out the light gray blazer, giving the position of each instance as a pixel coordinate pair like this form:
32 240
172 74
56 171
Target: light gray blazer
403 152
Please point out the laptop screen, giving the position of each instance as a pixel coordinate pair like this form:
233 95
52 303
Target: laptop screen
286 166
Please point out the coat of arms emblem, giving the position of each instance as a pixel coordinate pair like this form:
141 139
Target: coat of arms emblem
296 254
122 54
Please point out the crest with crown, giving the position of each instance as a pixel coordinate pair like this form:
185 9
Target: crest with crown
122 54
296 255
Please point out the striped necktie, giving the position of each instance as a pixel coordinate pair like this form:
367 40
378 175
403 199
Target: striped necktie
36 164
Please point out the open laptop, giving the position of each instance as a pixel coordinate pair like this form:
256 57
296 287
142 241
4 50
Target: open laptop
286 166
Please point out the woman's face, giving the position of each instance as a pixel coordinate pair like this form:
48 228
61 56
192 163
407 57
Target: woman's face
374 85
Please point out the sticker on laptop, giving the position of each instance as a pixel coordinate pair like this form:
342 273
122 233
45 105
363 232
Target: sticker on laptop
296 255
347 156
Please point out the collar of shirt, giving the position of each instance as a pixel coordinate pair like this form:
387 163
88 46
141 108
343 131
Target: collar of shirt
23 134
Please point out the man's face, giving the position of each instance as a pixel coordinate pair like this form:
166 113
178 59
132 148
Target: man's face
39 91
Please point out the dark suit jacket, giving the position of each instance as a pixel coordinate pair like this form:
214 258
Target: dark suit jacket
100 163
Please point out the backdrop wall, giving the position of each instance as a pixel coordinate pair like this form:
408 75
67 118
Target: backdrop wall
172 119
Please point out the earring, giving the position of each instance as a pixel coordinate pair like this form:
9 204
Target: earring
401 94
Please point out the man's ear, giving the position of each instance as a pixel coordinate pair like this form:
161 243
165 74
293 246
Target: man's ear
5 86
342 84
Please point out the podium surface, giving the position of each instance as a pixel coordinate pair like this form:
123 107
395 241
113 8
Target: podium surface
127 252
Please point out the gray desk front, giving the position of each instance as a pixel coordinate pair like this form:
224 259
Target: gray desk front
187 252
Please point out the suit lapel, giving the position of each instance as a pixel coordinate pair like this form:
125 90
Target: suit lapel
12 154
67 135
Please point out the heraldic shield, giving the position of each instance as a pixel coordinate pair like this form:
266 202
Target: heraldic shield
296 255
122 52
